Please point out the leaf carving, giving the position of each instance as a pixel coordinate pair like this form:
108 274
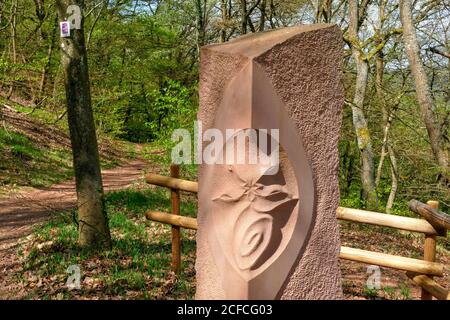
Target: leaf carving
253 228
228 198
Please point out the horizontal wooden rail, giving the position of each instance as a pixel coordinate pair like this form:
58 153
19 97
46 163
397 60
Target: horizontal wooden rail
172 183
348 214
430 285
391 261
439 220
174 220
380 259
386 220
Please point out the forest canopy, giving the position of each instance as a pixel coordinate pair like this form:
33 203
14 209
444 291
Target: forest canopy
143 65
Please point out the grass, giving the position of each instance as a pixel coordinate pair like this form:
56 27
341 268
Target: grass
23 163
35 152
138 266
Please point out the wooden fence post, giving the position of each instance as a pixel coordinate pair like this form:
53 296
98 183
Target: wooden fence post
176 236
429 251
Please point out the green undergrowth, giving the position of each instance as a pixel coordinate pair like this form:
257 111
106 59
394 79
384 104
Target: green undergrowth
35 150
24 163
137 267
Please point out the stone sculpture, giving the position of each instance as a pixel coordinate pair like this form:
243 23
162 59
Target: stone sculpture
265 233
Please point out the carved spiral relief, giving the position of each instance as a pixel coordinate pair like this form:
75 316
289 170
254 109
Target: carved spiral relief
253 228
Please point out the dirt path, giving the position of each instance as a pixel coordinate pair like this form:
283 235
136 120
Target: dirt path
20 213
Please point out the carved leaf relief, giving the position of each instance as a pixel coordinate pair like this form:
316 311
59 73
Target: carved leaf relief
253 228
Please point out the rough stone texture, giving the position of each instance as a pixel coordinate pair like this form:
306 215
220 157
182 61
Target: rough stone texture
302 65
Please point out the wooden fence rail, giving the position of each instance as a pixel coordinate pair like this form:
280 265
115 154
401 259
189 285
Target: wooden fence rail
386 220
172 183
429 285
174 220
369 257
421 272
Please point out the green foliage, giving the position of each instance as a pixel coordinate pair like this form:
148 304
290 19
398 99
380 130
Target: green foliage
173 108
153 115
13 139
370 293
405 291
25 163
139 261
37 155
143 67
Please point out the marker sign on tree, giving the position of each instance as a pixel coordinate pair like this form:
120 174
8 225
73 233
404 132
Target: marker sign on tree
65 29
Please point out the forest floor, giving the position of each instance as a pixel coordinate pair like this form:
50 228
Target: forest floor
38 227
25 209
138 266
35 159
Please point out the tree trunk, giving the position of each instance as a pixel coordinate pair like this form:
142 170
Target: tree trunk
347 169
223 29
394 184
369 194
262 19
244 17
323 12
97 17
379 73
439 145
40 15
201 23
272 15
46 68
13 44
93 221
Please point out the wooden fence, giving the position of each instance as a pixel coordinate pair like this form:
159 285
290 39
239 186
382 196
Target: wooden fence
421 272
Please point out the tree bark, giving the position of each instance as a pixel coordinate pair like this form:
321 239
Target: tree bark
244 17
386 148
369 194
323 12
439 145
394 183
246 20
379 73
223 29
40 15
272 15
347 169
262 19
93 221
201 23
46 68
13 44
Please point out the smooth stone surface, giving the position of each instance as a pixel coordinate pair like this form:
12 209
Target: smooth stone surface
272 236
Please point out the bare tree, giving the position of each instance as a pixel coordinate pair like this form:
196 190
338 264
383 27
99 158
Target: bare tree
262 18
46 68
323 11
40 15
436 131
223 27
13 41
201 9
359 118
386 147
246 13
